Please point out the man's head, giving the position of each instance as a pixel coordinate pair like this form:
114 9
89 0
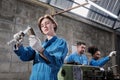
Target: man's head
81 46
94 52
47 24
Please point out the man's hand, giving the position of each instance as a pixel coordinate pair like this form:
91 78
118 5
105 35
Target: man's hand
35 43
112 53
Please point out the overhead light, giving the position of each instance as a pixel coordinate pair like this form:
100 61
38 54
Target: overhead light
102 9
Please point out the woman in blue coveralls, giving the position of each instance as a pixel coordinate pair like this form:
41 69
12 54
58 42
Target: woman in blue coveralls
96 61
48 57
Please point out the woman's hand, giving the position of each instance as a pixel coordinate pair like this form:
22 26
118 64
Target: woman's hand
112 53
35 43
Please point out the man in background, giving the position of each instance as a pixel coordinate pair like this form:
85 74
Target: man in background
79 56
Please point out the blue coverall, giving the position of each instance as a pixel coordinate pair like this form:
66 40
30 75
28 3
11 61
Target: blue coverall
78 58
55 52
101 62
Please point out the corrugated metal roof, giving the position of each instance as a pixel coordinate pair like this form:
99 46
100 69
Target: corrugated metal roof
63 4
111 5
94 13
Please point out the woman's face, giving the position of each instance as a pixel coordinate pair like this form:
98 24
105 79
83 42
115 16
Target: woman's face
97 55
47 26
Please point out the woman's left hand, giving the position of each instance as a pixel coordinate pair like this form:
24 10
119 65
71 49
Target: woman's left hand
35 42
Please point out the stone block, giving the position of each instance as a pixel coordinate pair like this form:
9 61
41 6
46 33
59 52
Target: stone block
4 67
8 76
7 9
19 67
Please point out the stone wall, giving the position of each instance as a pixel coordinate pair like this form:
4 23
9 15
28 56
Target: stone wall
16 15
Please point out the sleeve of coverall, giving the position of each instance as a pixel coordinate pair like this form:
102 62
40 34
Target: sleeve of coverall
100 62
25 53
57 56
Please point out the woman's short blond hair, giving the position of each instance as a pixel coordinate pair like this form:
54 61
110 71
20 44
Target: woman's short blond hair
48 17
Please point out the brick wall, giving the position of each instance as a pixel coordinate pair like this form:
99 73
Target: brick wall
16 15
